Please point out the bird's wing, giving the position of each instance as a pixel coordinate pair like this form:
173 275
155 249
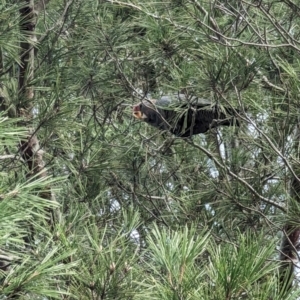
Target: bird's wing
182 98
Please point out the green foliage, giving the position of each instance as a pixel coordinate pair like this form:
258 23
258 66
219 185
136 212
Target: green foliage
237 268
141 214
172 262
37 264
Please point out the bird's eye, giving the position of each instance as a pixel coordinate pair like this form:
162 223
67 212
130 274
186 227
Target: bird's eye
141 106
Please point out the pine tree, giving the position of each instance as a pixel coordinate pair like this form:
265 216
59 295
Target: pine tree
95 205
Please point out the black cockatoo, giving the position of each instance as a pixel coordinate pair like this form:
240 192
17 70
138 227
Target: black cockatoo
184 117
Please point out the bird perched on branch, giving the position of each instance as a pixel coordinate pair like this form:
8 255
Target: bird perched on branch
183 116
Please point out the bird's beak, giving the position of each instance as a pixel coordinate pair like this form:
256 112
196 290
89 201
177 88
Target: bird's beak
139 115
